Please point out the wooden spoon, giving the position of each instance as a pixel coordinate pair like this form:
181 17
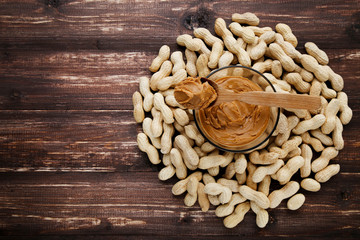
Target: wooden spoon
273 99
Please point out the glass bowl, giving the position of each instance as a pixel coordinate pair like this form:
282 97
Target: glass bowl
262 134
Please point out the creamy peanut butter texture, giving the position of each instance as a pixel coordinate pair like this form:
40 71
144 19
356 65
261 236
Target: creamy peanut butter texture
232 123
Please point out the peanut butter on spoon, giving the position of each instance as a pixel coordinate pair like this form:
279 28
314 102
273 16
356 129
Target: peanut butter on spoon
193 94
258 97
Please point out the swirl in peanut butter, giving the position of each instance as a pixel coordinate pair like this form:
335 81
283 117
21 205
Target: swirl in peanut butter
235 123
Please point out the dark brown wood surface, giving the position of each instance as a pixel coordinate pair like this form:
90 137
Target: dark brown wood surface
69 162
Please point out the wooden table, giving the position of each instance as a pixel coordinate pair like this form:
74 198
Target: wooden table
69 160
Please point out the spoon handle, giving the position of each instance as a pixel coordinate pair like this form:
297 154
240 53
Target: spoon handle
274 99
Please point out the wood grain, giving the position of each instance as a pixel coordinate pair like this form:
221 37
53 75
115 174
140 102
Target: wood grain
110 203
69 163
104 80
123 25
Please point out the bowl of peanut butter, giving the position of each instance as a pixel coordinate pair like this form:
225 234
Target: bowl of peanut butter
233 125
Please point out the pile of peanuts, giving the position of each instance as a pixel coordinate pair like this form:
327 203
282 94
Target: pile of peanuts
304 141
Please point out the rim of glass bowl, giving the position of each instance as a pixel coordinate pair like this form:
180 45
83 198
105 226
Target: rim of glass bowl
271 132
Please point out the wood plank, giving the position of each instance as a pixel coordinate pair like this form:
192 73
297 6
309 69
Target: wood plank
96 141
105 80
129 25
138 203
103 141
71 80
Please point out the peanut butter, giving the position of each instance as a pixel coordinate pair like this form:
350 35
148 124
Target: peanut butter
231 123
193 94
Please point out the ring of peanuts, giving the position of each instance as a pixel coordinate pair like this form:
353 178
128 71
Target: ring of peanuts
170 136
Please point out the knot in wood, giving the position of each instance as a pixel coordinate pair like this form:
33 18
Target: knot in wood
200 18
354 29
53 3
